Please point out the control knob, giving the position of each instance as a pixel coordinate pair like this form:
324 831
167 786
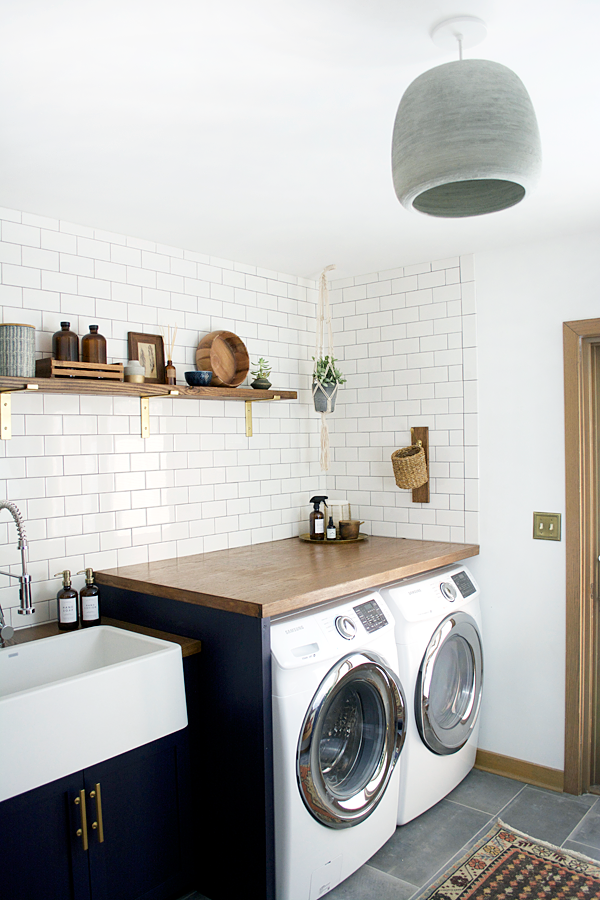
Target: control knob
448 590
346 627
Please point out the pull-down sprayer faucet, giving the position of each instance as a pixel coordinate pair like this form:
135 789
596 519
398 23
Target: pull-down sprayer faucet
26 607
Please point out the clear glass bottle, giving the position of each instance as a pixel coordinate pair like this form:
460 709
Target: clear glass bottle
89 600
93 347
65 344
68 607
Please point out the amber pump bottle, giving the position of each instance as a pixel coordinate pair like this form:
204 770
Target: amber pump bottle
68 607
93 347
317 519
65 344
90 600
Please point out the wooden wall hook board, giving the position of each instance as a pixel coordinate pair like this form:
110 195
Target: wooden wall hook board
421 494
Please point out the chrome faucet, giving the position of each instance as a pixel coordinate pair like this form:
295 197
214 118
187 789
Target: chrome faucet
26 608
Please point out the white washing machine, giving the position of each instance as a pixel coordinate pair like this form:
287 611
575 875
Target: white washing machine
440 663
338 729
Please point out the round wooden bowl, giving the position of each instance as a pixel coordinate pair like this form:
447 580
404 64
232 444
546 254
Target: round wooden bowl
225 355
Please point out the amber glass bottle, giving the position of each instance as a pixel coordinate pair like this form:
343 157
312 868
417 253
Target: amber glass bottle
89 600
170 373
68 607
93 347
65 344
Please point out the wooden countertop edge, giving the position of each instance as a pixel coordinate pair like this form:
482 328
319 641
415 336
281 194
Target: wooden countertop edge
189 646
292 603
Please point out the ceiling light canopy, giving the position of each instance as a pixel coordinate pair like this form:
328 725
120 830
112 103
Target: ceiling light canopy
466 140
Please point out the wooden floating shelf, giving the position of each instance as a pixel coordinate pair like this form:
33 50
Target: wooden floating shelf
9 386
128 389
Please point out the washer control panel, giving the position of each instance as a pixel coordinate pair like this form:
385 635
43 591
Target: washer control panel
371 616
331 630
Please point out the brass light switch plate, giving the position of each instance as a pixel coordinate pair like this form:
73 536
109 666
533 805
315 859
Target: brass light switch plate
546 526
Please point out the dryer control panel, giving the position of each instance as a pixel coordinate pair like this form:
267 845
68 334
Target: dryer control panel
432 594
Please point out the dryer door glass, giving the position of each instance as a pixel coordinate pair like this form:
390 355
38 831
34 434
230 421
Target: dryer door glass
350 740
448 691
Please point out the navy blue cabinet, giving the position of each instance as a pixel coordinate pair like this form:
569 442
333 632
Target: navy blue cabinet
116 831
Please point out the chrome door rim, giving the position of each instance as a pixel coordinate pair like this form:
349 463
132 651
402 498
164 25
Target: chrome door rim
441 740
367 669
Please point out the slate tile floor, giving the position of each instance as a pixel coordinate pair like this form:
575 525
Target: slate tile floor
420 850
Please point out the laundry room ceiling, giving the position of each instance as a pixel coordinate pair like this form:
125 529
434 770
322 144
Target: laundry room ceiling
260 130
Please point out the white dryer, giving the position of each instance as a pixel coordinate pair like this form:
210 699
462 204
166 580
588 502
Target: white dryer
440 662
338 729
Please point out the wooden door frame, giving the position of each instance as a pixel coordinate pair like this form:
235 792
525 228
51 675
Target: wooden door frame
581 551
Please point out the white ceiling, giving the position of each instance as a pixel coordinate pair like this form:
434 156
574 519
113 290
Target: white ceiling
260 130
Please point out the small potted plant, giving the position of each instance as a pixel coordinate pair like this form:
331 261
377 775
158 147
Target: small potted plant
261 374
326 377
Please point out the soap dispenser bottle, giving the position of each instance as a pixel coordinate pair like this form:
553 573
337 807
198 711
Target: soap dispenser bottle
317 519
68 612
331 530
90 600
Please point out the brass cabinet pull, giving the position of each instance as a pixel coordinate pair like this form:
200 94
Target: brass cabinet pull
98 824
82 832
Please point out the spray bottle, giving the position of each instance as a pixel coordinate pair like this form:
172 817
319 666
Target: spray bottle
317 519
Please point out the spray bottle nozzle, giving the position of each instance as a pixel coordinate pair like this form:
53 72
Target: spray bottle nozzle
317 500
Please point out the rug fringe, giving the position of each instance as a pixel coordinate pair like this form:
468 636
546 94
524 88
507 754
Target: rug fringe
548 846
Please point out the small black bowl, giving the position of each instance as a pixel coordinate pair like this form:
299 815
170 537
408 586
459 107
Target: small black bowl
198 379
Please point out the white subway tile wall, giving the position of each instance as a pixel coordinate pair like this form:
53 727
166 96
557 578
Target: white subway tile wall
406 342
94 493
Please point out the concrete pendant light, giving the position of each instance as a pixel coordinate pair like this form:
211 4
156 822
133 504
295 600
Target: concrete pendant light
466 140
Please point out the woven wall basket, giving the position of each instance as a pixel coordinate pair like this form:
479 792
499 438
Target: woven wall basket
410 467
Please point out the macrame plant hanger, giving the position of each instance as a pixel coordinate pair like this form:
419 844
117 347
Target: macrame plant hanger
324 317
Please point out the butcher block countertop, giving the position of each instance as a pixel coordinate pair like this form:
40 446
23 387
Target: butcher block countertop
265 580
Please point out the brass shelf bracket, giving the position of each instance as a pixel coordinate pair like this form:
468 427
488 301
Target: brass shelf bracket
145 413
248 405
6 410
145 416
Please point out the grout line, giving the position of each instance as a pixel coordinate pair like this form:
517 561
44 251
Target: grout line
585 815
471 842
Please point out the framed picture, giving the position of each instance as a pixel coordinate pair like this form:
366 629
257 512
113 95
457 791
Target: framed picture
149 350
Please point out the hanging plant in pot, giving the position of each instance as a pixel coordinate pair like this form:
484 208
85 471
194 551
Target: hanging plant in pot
326 378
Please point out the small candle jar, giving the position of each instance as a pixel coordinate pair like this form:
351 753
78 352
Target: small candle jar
134 371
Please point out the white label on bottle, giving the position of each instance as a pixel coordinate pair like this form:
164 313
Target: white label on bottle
319 526
331 534
89 608
67 610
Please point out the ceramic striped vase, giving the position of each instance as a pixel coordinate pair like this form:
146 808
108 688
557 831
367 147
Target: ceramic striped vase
17 350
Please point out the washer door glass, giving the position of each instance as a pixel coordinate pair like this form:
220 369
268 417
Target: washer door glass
350 740
448 691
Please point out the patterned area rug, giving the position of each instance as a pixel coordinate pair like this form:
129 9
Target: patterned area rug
508 865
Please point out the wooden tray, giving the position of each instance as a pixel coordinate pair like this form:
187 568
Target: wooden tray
58 368
224 354
307 537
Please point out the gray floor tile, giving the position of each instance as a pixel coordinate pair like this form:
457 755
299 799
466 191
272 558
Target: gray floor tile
484 791
370 883
547 815
420 848
576 847
588 830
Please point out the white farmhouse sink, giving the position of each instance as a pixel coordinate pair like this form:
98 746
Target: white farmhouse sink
70 701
